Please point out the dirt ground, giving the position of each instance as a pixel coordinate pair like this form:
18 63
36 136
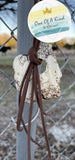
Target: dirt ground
60 124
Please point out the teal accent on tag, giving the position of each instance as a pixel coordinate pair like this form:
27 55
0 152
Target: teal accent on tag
53 31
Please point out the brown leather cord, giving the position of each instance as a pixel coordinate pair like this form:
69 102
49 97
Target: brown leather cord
36 89
30 116
32 69
41 111
21 106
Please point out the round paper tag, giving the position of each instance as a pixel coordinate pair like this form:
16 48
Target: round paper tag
49 21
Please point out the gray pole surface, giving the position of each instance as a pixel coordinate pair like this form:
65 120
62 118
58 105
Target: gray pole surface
24 43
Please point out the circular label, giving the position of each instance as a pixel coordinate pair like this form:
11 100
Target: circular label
49 21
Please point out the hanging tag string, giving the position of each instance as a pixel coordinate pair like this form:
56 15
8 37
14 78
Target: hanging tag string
36 89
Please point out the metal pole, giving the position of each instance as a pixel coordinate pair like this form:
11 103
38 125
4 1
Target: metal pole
24 43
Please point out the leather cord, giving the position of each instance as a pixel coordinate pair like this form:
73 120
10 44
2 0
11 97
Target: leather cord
36 89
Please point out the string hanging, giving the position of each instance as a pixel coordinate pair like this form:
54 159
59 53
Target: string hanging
36 89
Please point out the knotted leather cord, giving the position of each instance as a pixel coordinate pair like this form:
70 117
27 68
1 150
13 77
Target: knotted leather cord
32 71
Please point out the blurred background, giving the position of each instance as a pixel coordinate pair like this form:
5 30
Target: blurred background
60 123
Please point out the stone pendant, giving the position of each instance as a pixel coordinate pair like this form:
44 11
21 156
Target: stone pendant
49 79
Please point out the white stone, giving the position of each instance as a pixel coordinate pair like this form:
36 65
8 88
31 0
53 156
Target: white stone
49 79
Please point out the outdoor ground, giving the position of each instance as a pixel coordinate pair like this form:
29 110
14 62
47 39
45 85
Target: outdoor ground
63 130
